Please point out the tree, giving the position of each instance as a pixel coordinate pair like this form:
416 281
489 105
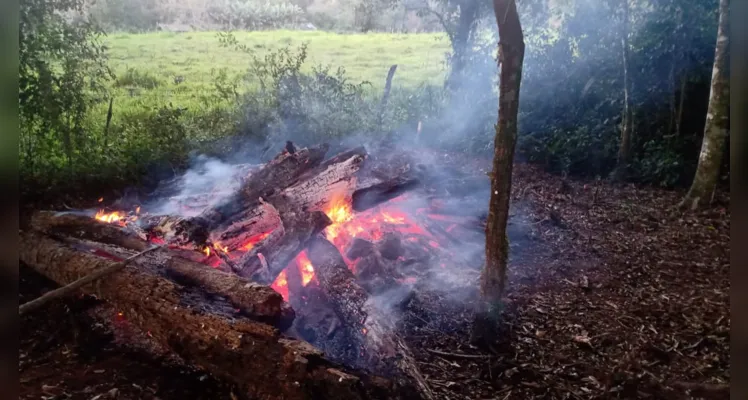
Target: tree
62 67
717 123
624 150
459 19
511 56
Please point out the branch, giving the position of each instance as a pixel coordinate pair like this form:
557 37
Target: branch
60 292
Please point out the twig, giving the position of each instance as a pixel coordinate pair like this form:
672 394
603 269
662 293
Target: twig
57 293
458 355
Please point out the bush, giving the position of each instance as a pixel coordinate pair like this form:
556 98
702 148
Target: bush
135 78
128 15
61 75
255 14
306 107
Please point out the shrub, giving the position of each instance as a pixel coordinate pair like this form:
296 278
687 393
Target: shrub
255 14
135 78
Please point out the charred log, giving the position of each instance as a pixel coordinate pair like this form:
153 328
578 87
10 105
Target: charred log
280 173
203 328
378 343
376 193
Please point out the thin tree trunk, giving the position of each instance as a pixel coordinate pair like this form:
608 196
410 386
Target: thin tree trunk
681 102
673 92
511 55
386 94
717 120
624 151
461 42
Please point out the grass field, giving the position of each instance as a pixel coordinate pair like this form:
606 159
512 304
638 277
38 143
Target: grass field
199 57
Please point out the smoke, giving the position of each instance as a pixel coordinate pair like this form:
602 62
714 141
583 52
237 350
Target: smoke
207 182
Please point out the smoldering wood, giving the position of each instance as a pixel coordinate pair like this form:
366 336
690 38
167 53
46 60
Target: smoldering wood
273 177
85 227
254 300
367 326
299 227
375 193
73 286
203 328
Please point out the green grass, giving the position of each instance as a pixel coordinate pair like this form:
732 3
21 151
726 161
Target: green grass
198 57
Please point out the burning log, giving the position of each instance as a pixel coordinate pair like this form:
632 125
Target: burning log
375 193
204 328
365 324
264 262
278 174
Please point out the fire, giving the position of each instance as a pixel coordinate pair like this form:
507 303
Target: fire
206 251
252 241
219 247
111 217
305 268
281 285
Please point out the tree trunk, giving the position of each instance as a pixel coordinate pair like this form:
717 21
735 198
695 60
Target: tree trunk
624 151
461 42
681 102
717 120
511 55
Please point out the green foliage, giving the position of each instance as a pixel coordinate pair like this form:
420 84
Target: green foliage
255 14
135 78
308 107
572 92
62 72
128 15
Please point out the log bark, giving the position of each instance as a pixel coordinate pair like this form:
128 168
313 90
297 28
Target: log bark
717 123
253 300
280 173
264 262
377 343
203 328
374 194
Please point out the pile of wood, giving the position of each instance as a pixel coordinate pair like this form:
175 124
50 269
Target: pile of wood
228 320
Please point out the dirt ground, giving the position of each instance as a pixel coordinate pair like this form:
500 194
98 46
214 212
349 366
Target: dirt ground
612 294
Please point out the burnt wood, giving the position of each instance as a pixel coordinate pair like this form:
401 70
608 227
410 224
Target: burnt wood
203 328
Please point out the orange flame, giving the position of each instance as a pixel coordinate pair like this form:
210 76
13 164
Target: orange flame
305 268
206 250
111 217
219 247
281 285
252 241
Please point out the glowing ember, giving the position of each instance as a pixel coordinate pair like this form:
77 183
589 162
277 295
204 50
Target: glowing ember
281 285
217 246
206 251
137 210
305 268
252 241
101 199
111 217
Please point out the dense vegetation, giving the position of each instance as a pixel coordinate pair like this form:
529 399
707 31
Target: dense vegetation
113 108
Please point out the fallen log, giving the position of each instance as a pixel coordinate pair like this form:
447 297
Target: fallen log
273 177
203 329
264 262
373 194
69 288
372 332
